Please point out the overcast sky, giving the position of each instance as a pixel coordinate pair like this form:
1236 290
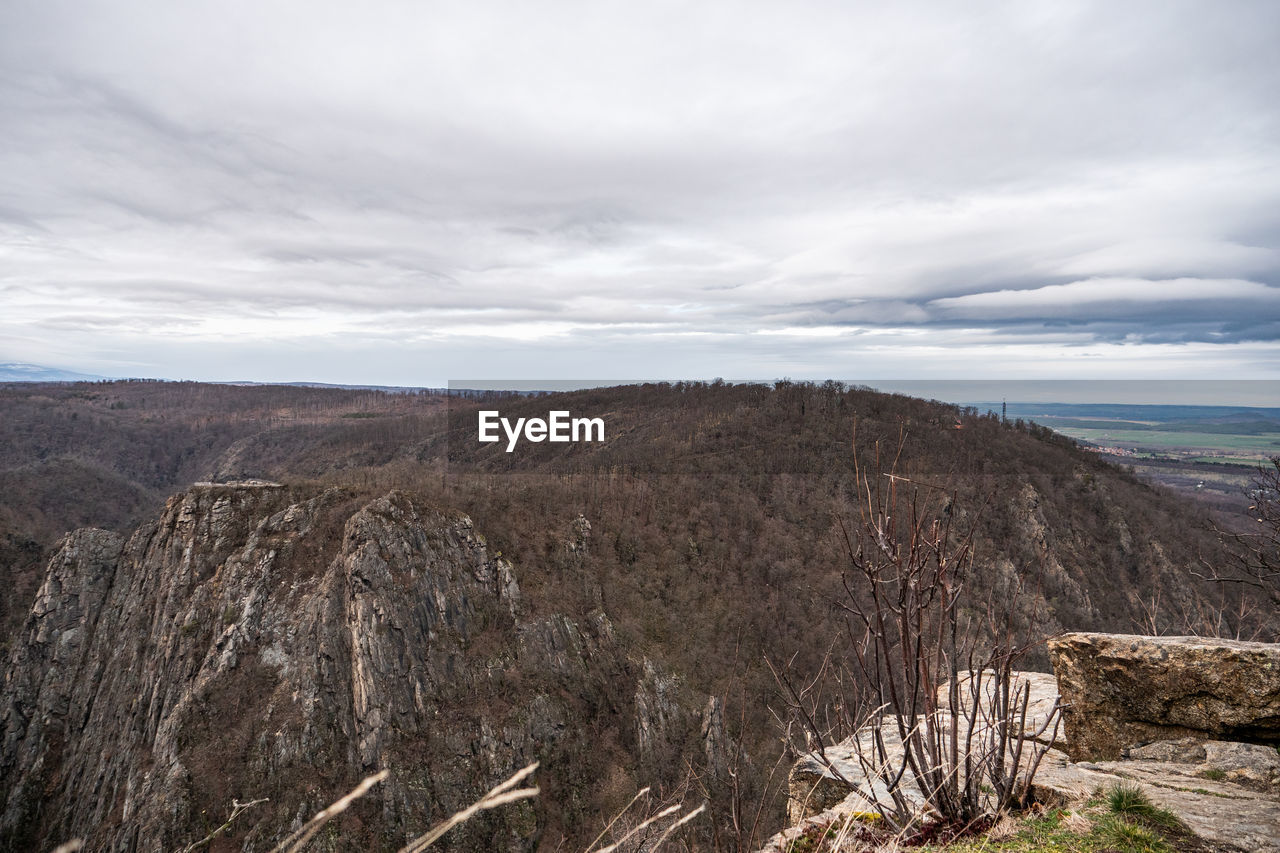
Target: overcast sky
403 193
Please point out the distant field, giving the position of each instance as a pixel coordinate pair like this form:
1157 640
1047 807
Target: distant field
1247 435
1208 452
1249 449
1250 462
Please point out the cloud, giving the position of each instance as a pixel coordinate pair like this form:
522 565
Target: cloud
1117 299
809 187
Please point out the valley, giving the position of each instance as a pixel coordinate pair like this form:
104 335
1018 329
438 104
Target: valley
285 583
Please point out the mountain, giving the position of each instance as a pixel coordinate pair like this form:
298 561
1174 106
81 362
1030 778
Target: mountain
410 599
20 372
256 641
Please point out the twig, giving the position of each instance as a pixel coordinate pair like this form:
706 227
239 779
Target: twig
236 808
298 840
641 793
501 795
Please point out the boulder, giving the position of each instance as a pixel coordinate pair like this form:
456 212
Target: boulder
1121 691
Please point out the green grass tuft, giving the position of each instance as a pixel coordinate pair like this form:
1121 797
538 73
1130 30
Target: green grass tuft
1120 819
1125 799
1127 836
1132 802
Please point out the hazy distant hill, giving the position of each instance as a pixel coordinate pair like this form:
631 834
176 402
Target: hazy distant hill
20 372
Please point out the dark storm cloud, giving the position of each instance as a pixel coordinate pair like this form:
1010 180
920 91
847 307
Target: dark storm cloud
805 188
1197 308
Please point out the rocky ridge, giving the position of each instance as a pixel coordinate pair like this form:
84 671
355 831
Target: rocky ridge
257 642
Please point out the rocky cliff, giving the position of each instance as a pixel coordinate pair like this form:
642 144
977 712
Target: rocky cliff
257 642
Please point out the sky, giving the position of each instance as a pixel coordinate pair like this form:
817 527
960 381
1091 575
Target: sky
406 193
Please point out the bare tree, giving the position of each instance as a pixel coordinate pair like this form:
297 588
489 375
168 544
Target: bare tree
1256 552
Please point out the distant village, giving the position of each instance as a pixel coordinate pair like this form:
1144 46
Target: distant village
1110 451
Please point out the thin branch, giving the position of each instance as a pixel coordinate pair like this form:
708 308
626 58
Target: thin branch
299 839
237 808
498 796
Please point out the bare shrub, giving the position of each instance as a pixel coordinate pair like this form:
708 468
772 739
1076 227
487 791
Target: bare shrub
941 715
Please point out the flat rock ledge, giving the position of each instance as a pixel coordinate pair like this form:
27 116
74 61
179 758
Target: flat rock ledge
1228 814
821 781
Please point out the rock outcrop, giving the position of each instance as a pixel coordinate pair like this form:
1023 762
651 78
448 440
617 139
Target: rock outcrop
254 642
1226 792
1122 691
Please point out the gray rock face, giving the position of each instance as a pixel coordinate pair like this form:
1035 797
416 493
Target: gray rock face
36 717
1122 691
660 714
254 643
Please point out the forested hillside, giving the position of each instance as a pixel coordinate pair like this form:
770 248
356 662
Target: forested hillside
703 532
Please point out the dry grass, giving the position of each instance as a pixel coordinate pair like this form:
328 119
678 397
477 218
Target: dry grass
299 839
498 796
641 836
